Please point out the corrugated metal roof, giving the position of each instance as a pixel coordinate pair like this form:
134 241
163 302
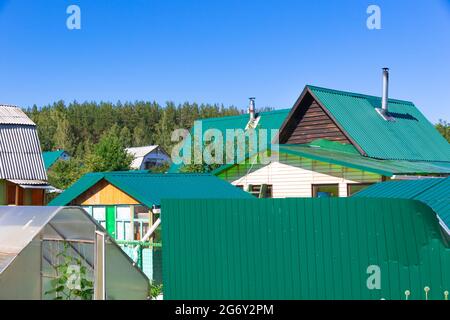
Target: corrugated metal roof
20 153
433 192
149 188
410 137
141 151
14 115
348 156
356 161
50 157
268 120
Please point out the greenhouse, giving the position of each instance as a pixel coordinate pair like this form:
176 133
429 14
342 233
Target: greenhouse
62 253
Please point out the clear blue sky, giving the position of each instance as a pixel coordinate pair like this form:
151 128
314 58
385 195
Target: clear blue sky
223 51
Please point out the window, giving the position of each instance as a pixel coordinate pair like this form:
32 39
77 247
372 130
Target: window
150 163
353 188
325 190
261 190
240 186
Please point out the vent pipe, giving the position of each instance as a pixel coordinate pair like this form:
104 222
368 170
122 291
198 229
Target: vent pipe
251 109
384 99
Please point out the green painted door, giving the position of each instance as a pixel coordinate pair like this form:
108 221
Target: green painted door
111 220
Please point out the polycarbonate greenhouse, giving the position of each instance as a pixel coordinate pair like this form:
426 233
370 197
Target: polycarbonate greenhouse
62 253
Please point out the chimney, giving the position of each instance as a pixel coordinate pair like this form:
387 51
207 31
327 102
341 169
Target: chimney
384 99
384 110
251 108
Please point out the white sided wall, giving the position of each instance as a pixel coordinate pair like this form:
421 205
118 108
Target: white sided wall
293 176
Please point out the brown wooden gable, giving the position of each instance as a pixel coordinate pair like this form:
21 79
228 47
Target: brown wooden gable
104 193
309 121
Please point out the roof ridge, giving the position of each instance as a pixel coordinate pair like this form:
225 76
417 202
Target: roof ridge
243 115
439 181
356 94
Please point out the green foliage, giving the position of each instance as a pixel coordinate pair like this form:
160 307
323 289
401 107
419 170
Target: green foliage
109 154
155 290
444 128
63 286
94 134
65 173
69 126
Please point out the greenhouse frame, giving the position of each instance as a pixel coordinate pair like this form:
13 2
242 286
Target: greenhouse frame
63 253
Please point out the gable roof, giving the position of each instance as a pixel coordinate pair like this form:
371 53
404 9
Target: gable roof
50 157
410 137
346 155
20 150
433 192
14 115
141 151
149 188
268 120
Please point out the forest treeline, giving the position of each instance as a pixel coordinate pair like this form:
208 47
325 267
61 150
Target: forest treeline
76 127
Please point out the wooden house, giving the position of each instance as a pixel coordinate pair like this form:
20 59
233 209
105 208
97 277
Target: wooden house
23 178
144 158
335 143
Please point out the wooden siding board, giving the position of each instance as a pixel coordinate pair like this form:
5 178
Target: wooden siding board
292 176
104 193
311 123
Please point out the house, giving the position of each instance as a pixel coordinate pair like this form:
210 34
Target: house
50 157
434 192
36 243
127 205
335 143
23 178
147 157
304 248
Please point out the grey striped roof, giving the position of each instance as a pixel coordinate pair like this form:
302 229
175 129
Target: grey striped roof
20 152
14 115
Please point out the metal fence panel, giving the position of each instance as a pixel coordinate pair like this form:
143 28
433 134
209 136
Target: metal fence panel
302 249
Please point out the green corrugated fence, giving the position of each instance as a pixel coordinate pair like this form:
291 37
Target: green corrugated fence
328 248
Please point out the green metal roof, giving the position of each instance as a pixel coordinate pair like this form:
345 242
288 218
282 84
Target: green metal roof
433 192
348 156
149 188
268 120
50 157
410 137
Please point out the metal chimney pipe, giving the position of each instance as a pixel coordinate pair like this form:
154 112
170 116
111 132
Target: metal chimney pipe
384 99
251 108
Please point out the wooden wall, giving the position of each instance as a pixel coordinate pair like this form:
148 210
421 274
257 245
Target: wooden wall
104 193
310 122
293 176
12 194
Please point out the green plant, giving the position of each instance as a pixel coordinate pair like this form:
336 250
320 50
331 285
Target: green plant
155 290
71 282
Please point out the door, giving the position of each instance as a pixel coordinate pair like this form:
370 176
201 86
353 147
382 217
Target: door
111 220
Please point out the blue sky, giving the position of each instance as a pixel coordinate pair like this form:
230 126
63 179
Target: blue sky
223 51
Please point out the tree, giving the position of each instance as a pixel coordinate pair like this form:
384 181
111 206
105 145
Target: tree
108 155
64 173
126 137
444 128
